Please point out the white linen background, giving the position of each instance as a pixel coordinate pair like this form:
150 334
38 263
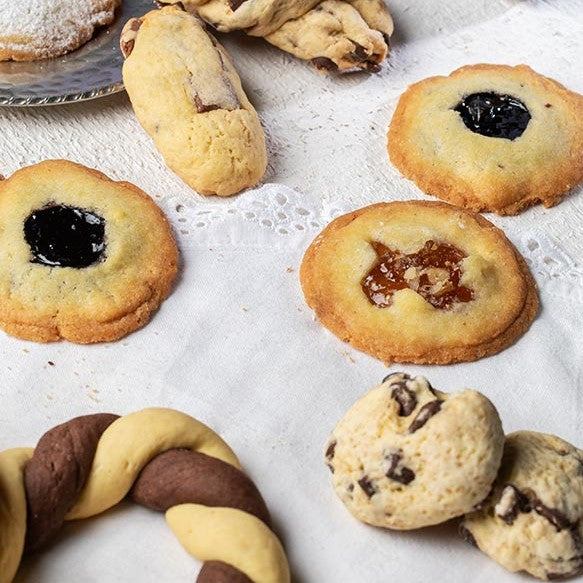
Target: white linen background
236 346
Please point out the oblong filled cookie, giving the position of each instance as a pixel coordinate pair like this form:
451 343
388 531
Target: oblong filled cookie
82 257
421 282
533 519
490 138
406 456
188 97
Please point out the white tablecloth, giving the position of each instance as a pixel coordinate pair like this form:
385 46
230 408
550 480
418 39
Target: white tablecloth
235 344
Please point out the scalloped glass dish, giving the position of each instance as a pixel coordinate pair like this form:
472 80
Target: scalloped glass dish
92 71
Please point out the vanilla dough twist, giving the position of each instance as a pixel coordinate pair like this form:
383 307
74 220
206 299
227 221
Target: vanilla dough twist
334 35
168 462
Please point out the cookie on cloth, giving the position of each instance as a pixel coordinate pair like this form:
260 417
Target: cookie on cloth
533 519
406 456
420 282
31 30
490 138
82 257
188 97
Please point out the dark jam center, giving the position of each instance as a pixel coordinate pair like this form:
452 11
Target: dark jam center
65 236
434 273
493 115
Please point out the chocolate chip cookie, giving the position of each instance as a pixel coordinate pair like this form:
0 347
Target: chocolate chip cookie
421 282
490 138
533 519
188 97
81 257
406 455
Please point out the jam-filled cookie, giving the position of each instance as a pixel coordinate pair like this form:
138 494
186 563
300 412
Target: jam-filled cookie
188 97
81 257
490 138
533 519
406 455
421 282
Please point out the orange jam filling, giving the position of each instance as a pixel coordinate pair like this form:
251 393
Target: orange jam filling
434 272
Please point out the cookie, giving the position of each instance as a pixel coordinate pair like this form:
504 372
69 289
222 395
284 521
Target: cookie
490 138
188 97
334 35
420 282
31 30
167 461
81 257
533 519
406 455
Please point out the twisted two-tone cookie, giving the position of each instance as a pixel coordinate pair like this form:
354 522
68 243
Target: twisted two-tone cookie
332 34
167 461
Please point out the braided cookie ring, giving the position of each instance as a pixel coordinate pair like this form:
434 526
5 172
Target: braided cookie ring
178 466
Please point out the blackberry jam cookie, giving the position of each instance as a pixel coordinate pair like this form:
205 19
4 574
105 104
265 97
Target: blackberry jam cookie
188 97
31 30
420 282
81 257
490 138
406 455
533 519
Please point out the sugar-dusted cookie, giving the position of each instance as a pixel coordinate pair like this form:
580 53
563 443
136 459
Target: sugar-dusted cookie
490 138
406 455
421 282
81 257
169 462
187 95
533 519
31 30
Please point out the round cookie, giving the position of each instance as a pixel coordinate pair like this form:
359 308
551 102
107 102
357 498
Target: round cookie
81 257
169 462
406 456
31 30
420 282
490 138
533 519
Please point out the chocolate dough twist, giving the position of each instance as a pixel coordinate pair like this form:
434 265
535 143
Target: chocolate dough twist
334 35
170 462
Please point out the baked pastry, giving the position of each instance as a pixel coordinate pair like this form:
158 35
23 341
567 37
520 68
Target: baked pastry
421 282
188 97
81 257
31 30
331 34
406 455
533 519
178 466
490 138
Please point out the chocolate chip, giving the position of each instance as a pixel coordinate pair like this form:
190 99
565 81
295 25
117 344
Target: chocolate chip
367 486
324 64
397 471
554 516
467 535
359 54
234 4
406 398
387 39
512 502
203 107
330 450
405 376
493 115
425 413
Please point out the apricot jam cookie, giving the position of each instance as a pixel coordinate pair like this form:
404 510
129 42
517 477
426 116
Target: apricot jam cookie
31 30
406 455
188 97
420 282
81 257
490 138
533 519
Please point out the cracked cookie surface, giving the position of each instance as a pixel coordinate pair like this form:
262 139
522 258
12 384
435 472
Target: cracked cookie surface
188 97
533 519
421 282
82 257
406 455
530 154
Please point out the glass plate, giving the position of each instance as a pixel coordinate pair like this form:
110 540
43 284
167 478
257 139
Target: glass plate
94 70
